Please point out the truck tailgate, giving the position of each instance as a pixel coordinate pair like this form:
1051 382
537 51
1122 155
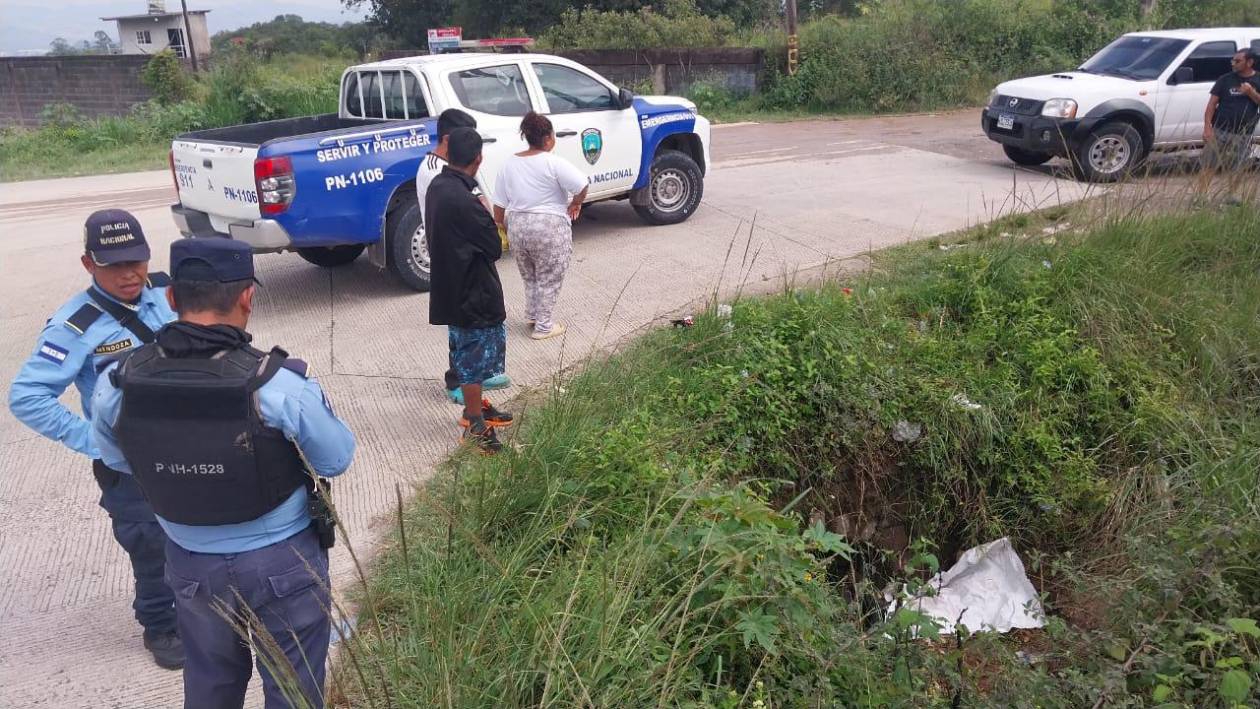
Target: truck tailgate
217 179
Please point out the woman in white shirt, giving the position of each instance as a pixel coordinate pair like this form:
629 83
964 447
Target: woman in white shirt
537 196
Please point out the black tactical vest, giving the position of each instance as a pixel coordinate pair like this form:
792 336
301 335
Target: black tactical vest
193 435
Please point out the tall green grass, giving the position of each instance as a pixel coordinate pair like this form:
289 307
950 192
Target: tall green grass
709 517
917 55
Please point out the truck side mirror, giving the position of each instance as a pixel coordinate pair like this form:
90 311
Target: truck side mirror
1183 75
625 98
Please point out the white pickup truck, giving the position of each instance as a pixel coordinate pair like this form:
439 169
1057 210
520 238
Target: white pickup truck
1144 92
331 186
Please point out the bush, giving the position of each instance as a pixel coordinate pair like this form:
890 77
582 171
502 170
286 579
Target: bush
910 55
712 96
158 122
60 115
679 25
913 55
1094 399
240 88
166 78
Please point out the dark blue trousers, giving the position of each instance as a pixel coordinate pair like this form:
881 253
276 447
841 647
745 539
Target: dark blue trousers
139 534
278 592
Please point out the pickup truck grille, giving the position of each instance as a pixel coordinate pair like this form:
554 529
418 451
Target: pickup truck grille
1018 106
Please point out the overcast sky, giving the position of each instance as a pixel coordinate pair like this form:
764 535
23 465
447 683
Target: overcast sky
25 24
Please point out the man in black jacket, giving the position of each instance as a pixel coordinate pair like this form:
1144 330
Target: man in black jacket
465 293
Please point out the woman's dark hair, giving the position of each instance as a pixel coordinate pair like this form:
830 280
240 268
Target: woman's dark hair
535 129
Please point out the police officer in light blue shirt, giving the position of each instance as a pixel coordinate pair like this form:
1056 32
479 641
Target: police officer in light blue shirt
118 312
228 443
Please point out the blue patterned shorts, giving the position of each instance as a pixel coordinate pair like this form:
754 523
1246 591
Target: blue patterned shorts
477 353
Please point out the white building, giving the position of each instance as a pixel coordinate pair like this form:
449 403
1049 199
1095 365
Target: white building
158 29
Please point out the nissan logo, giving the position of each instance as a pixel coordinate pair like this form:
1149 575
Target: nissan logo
1013 102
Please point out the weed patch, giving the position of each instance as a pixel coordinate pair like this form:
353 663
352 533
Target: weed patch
711 517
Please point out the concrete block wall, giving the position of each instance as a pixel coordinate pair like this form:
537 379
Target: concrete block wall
96 85
672 71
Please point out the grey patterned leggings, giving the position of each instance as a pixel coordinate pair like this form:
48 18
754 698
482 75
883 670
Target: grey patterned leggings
543 244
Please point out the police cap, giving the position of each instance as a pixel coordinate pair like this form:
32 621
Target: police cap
211 259
114 236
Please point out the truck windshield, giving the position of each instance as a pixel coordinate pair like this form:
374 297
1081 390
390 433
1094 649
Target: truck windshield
1138 58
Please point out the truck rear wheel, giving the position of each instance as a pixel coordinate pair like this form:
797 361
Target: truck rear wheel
331 256
674 189
408 246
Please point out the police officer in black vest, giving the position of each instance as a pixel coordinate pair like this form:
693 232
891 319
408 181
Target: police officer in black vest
227 442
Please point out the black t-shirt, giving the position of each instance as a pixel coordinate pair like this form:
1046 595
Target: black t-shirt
1236 113
464 287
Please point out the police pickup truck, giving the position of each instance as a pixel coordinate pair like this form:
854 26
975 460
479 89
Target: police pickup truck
331 186
1144 92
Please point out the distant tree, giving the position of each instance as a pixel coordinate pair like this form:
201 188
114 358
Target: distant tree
287 34
101 44
409 20
104 44
61 47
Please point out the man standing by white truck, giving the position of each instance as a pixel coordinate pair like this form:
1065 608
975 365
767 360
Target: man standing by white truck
1231 115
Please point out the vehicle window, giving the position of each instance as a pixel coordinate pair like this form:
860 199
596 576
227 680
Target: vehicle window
498 90
568 90
1210 61
353 102
1255 46
1138 58
393 85
372 95
416 106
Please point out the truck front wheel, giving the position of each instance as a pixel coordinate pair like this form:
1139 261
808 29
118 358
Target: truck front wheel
408 246
674 189
331 256
1110 153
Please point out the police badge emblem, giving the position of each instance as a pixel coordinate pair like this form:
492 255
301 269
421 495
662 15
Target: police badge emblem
592 145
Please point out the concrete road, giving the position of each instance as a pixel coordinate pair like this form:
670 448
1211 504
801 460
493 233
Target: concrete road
818 191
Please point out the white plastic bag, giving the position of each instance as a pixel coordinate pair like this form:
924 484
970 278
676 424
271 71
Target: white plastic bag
987 588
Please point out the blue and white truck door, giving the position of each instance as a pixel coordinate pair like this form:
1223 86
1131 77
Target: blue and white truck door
593 132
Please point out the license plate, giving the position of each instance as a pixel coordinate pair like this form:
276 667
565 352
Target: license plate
1006 121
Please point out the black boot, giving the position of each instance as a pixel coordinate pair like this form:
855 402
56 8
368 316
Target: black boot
167 649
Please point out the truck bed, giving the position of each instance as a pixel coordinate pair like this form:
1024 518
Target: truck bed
257 134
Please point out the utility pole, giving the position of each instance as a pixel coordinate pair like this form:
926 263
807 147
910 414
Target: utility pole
192 52
793 43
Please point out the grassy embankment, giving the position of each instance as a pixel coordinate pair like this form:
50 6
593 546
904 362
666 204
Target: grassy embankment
711 516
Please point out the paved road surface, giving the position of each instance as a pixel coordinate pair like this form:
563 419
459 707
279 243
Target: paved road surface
819 191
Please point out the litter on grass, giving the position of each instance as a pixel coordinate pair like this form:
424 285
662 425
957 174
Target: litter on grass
987 590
